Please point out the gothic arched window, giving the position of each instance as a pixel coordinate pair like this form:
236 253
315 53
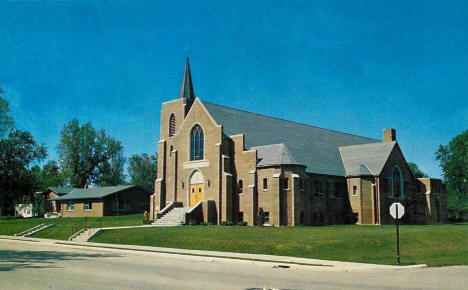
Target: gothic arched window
171 125
397 185
196 143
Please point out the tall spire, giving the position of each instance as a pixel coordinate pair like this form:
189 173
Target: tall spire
186 91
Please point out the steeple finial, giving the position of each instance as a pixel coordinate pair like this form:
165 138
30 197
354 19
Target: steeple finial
186 91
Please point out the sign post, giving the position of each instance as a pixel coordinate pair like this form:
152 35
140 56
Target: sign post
397 210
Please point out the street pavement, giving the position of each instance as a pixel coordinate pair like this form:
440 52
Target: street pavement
46 265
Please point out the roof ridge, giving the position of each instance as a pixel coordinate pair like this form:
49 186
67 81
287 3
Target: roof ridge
368 144
277 118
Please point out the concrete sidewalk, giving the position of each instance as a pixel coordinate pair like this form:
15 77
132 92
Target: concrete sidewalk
283 260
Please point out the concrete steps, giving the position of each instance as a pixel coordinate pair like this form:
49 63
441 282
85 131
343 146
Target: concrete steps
83 235
33 230
173 218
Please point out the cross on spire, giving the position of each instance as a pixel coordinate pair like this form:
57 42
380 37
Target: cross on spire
186 91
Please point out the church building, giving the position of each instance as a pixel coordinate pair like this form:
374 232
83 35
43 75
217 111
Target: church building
217 163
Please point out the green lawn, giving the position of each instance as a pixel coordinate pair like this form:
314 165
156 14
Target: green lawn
64 227
11 227
435 245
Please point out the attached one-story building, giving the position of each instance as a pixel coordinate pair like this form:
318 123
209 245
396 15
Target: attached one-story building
104 201
51 205
252 167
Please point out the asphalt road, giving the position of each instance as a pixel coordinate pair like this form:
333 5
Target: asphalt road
37 265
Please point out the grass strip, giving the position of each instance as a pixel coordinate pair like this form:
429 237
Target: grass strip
200 255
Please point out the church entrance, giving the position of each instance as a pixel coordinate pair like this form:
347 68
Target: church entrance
196 193
196 188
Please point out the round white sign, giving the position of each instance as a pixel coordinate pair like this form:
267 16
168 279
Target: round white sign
397 210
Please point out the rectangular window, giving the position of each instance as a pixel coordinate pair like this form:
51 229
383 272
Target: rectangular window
88 205
301 183
265 183
71 206
241 216
354 190
266 218
285 183
301 218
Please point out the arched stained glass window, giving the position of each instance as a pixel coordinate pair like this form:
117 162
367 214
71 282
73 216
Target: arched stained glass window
172 125
396 177
196 143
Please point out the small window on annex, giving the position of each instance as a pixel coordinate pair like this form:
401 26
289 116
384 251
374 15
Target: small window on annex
265 183
241 186
71 206
196 143
354 190
396 181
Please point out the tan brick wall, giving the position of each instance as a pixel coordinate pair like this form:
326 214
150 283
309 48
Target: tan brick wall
367 201
269 199
97 209
355 200
244 168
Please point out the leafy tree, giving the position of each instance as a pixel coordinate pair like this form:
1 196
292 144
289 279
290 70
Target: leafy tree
48 176
17 181
6 121
416 171
111 171
83 152
142 170
453 160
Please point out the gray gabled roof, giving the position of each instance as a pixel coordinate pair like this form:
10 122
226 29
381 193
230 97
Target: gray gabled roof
60 190
314 147
366 159
91 193
275 154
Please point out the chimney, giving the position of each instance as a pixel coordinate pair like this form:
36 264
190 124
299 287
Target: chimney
389 135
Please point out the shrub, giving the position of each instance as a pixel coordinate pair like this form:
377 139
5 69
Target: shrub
192 222
227 223
242 224
7 217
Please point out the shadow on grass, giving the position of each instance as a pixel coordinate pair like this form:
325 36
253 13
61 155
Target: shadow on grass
11 260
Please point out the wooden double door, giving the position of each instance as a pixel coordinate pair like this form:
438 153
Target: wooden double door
196 193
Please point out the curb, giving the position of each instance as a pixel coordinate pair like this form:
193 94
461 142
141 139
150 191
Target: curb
283 260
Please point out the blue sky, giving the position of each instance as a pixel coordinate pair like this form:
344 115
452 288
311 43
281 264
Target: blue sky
351 66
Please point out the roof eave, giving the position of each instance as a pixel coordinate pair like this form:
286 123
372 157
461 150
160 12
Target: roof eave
280 165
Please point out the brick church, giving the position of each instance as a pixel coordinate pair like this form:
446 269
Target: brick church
217 163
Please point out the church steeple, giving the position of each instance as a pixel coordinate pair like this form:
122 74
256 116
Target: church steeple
186 91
